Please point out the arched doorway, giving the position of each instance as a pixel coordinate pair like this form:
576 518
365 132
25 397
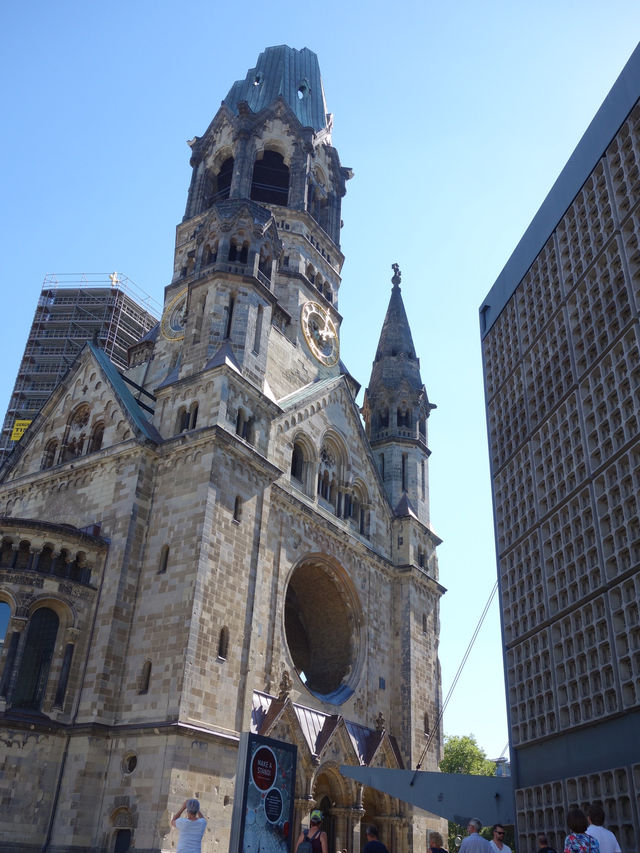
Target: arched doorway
122 841
328 823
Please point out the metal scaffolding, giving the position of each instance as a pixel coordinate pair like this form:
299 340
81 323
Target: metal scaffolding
73 309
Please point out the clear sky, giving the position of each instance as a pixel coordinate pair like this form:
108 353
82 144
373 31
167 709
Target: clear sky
456 118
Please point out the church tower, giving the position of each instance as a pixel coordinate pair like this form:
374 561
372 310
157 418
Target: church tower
395 411
208 543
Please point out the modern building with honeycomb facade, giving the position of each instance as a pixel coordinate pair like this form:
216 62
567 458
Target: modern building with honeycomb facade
211 541
561 351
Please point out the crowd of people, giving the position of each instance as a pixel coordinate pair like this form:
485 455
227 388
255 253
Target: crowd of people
587 834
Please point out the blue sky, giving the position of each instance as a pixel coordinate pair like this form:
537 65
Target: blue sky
456 119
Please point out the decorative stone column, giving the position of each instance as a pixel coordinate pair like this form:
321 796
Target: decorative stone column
354 824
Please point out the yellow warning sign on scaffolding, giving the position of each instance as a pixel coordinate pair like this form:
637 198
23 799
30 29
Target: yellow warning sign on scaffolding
18 430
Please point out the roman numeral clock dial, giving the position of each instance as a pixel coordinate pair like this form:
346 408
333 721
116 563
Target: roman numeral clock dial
320 333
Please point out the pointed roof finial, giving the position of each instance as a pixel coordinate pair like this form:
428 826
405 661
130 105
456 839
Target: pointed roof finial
397 275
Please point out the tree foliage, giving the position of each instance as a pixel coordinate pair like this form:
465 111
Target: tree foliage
462 754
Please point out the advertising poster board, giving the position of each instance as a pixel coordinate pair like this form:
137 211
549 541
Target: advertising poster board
262 819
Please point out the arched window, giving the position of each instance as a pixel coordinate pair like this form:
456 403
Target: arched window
424 623
245 426
24 556
297 461
427 727
403 416
122 841
60 564
6 554
210 255
164 559
49 455
33 675
222 182
75 433
194 416
45 559
145 678
223 643
270 180
237 509
95 442
78 570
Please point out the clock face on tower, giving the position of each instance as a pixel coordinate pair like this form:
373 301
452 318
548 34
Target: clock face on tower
174 317
320 333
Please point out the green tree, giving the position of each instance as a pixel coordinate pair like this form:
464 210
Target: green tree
462 754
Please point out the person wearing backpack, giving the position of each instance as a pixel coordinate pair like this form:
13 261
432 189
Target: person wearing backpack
313 840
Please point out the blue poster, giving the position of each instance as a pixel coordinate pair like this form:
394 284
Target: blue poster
263 803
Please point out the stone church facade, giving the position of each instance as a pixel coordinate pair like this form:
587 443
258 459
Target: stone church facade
211 541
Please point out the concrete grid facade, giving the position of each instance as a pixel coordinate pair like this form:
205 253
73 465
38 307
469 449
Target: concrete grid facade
561 352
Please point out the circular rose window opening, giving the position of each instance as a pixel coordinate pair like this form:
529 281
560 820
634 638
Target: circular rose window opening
322 630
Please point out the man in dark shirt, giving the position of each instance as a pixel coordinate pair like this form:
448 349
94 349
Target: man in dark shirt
543 844
374 845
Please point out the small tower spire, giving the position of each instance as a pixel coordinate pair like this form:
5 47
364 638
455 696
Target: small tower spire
396 408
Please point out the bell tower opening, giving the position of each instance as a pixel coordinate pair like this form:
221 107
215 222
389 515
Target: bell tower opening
270 181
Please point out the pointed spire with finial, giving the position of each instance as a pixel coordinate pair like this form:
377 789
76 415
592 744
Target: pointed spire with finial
395 411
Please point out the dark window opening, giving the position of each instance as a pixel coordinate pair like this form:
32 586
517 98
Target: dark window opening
230 307
223 180
258 332
210 256
60 564
193 416
95 442
6 554
24 556
223 643
297 462
164 559
382 465
123 841
36 660
145 678
237 509
270 181
404 417
49 455
404 472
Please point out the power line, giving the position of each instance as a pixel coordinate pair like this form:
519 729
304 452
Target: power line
436 727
